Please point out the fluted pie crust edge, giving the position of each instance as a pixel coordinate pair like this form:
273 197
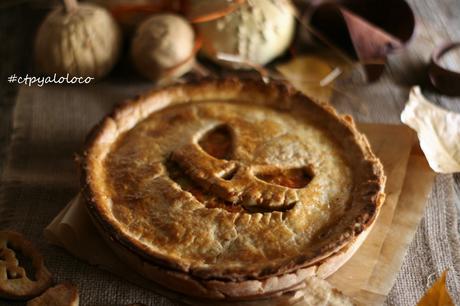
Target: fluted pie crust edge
230 284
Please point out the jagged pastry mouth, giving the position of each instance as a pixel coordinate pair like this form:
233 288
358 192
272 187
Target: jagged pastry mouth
217 144
291 178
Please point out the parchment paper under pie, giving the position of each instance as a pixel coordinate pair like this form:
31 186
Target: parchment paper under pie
367 277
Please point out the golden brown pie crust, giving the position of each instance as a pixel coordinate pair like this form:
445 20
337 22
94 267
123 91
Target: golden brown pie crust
272 224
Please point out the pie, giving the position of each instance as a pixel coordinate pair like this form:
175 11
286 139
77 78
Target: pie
229 188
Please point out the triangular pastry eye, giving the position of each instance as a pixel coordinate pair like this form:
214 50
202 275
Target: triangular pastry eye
291 178
218 142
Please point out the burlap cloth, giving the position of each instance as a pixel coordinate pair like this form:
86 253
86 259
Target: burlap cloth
40 177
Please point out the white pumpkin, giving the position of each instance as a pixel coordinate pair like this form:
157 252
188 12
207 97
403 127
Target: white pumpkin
84 41
162 47
257 32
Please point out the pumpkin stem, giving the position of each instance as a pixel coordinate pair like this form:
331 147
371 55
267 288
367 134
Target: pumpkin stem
70 5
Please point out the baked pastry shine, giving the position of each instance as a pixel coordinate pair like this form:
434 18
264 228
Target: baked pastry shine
231 180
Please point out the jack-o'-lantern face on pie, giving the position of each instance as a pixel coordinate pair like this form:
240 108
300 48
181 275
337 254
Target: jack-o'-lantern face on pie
229 157
227 165
221 187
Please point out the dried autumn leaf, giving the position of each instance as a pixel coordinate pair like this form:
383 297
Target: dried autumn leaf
437 295
311 75
438 131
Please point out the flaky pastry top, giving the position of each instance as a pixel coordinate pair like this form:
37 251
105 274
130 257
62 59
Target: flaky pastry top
231 179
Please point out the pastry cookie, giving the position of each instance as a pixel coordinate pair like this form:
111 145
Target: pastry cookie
15 283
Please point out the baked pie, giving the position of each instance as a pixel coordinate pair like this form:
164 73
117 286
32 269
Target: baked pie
231 189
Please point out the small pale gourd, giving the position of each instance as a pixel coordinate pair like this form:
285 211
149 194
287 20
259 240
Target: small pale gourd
163 47
79 39
256 33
